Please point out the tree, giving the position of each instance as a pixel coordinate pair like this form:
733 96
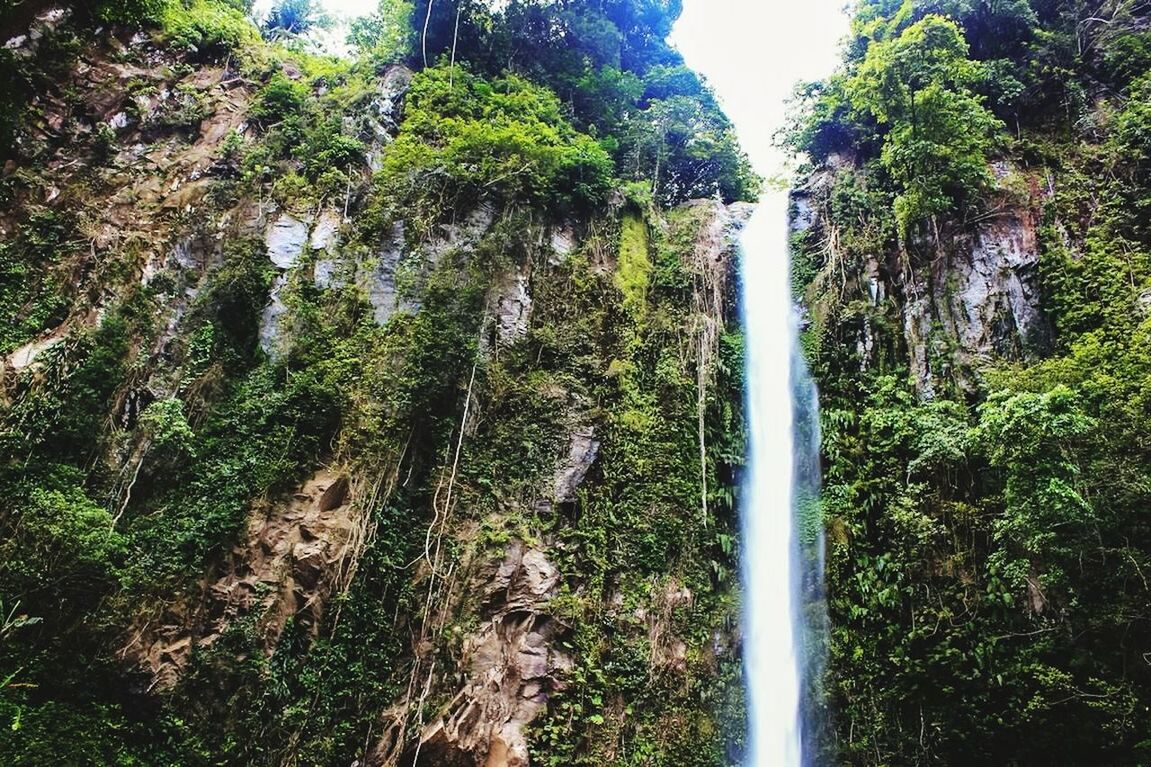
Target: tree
1029 437
292 18
387 33
918 87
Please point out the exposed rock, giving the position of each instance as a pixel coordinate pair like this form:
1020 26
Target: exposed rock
582 452
513 309
27 354
293 557
975 300
563 243
326 232
380 282
1144 301
981 301
329 273
285 238
384 111
668 651
511 666
271 319
462 234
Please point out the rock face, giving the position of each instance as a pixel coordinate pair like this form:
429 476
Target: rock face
582 452
293 556
150 156
383 116
983 298
380 282
513 309
285 239
26 355
511 666
975 299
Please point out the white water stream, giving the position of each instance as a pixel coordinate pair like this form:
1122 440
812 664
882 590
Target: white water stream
771 656
782 538
753 52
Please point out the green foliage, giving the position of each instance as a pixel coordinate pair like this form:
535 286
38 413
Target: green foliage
292 18
280 99
32 294
464 138
167 428
206 29
917 88
137 450
61 541
387 34
986 542
633 273
612 64
331 150
689 148
134 12
1030 438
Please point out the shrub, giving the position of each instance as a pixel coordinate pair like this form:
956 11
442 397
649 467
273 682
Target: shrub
279 99
205 28
917 87
506 137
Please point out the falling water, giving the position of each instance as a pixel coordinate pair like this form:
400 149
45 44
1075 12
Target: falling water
753 52
782 536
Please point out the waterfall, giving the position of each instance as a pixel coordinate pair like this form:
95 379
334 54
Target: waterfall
782 534
753 52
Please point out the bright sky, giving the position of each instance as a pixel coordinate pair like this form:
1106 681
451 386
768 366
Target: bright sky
751 51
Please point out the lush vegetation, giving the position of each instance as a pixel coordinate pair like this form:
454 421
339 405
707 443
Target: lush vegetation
156 421
988 534
465 138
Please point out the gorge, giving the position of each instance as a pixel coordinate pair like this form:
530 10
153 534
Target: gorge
398 409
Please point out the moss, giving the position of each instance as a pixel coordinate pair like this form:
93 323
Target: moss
634 268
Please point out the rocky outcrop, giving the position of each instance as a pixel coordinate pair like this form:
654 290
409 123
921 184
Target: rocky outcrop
287 238
292 557
511 664
976 298
979 301
513 309
583 449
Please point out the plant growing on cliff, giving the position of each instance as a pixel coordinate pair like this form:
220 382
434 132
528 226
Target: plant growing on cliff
464 137
918 88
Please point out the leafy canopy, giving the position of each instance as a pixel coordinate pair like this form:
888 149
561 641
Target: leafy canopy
466 136
918 87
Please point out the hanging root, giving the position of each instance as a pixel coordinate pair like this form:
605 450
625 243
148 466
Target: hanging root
707 307
440 583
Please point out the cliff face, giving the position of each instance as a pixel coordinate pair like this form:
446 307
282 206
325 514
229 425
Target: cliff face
358 412
971 248
973 298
